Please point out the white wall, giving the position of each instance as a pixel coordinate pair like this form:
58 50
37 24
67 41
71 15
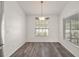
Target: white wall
15 27
1 15
70 9
53 30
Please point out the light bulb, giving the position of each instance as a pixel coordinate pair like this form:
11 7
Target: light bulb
41 18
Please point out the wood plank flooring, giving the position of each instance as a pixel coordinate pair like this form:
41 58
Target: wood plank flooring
42 49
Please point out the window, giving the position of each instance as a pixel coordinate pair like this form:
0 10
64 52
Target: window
71 27
41 27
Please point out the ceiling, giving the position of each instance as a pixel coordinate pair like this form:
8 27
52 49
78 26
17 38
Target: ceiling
49 7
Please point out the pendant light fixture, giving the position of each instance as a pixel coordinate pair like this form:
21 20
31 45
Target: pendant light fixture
42 16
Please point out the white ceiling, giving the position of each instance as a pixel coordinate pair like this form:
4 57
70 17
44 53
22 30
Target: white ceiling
49 7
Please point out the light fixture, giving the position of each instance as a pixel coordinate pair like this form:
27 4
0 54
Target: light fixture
42 16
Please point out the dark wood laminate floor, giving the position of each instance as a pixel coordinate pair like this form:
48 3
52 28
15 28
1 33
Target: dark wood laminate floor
42 49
